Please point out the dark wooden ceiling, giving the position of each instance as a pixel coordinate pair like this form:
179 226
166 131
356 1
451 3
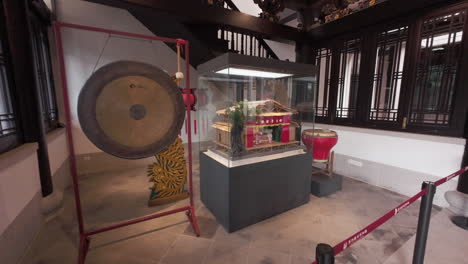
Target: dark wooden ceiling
194 13
381 13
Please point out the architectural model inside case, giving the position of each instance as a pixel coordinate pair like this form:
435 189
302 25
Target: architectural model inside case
268 125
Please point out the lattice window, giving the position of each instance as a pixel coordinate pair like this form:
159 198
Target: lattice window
324 64
348 81
437 68
391 48
303 98
9 134
7 116
44 74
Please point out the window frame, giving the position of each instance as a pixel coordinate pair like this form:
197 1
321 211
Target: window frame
366 77
340 75
17 37
458 115
14 139
405 58
328 91
40 50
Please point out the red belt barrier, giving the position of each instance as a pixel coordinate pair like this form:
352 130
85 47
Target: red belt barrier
338 248
451 176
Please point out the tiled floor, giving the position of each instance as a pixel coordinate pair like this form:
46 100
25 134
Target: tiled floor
289 238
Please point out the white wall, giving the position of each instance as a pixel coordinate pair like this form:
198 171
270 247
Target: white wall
248 7
87 51
282 50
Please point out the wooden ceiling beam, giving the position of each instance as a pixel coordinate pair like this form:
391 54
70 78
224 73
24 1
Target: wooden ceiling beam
194 12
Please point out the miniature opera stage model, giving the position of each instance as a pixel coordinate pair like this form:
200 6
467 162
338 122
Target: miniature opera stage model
269 126
320 143
134 110
252 165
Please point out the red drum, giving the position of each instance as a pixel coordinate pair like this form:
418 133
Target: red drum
319 142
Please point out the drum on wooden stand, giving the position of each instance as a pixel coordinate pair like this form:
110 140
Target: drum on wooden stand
320 142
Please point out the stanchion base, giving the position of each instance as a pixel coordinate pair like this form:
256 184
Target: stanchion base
460 221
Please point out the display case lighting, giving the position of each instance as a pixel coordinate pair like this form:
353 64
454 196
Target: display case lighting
252 73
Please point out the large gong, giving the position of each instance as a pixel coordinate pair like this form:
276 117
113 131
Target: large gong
131 110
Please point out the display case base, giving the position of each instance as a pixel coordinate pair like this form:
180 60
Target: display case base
323 185
243 195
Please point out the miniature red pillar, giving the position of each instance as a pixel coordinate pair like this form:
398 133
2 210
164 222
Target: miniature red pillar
285 134
250 137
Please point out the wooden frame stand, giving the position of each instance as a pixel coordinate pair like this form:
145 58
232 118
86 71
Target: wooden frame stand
189 210
328 170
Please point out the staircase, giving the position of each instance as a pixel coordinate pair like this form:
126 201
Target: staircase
206 40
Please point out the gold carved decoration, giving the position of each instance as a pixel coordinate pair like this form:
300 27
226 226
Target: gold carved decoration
169 174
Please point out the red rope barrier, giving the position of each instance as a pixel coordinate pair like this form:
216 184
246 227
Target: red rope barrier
340 247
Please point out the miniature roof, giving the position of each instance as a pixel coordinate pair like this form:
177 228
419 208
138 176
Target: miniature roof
224 126
268 107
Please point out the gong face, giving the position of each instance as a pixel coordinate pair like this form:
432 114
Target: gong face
131 110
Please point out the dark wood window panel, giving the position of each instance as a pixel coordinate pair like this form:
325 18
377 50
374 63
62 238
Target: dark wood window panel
303 99
389 64
322 92
437 68
44 76
404 75
10 134
348 79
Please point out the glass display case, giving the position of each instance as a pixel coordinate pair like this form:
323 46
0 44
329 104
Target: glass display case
250 107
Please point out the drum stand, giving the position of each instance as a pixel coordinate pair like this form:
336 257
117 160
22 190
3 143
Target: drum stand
328 170
189 209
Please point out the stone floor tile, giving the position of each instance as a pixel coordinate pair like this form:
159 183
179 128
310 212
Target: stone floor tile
207 227
302 259
303 247
228 252
187 249
238 237
290 237
357 253
52 246
150 247
267 256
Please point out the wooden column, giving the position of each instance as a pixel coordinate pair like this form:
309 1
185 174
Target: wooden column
305 52
463 179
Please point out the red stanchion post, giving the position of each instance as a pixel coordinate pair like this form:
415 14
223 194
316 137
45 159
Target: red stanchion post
423 222
324 254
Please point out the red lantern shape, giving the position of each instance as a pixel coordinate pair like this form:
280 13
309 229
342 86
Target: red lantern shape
190 99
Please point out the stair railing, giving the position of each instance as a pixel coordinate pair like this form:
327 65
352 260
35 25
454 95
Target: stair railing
239 42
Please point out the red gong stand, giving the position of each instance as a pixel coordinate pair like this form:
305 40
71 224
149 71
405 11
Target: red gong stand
189 209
